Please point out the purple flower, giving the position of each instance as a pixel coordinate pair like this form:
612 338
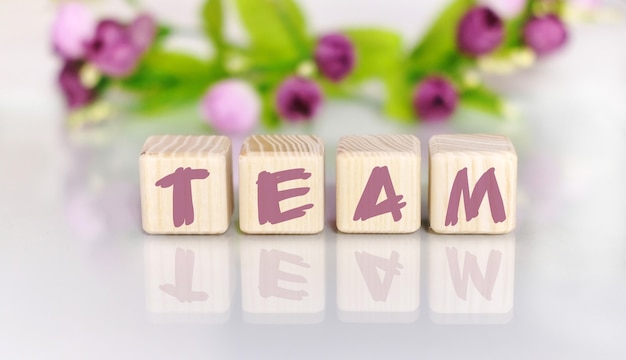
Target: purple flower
334 56
116 49
231 106
76 94
479 32
73 26
435 99
298 99
545 34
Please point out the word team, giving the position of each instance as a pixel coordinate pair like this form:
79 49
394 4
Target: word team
187 185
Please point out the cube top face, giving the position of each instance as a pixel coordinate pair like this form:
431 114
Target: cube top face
186 184
378 184
282 145
471 143
369 145
472 184
186 146
281 184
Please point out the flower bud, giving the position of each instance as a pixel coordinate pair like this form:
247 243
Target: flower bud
480 31
112 49
545 34
231 107
73 26
76 93
298 99
335 56
142 31
435 99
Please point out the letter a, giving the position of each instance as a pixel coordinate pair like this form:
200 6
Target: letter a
368 206
487 184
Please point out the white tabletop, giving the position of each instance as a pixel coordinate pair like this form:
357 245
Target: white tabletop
80 279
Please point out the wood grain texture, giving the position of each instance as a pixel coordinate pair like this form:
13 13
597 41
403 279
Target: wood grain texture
212 197
357 156
478 153
278 153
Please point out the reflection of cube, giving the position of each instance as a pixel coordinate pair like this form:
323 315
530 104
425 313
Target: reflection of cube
378 184
472 184
186 184
189 279
281 184
283 279
378 277
471 278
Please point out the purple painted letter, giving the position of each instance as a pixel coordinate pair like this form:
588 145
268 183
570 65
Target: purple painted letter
487 184
484 284
369 265
368 207
270 274
182 209
269 196
182 289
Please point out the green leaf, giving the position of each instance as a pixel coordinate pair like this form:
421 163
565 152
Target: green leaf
483 99
399 92
276 28
439 43
213 22
166 79
269 117
378 52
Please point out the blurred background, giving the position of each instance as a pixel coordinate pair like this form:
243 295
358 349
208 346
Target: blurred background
81 280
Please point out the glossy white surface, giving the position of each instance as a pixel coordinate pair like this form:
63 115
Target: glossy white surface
79 279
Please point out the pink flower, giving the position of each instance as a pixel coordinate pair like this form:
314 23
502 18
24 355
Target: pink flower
73 26
545 34
231 107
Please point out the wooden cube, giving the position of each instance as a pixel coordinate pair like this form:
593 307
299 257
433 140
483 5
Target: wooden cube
472 184
471 278
186 184
281 184
378 184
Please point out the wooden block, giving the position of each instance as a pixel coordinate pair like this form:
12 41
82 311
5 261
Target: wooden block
186 184
281 184
378 184
471 278
472 184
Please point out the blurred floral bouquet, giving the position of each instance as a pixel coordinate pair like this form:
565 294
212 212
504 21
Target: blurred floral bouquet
285 74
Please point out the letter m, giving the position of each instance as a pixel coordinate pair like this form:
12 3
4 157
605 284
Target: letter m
486 185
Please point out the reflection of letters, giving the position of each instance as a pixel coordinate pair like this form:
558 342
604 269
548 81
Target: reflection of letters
369 265
183 279
368 206
180 180
270 274
269 197
484 284
486 185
